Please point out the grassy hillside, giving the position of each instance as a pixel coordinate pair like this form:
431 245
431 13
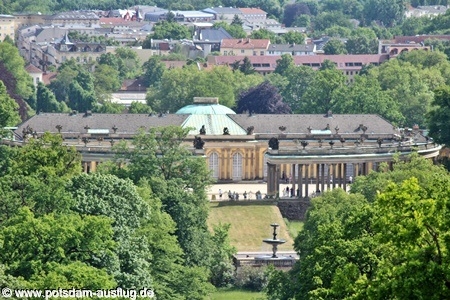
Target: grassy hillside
250 224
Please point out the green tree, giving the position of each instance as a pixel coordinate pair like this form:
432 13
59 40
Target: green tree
14 63
46 101
265 34
327 64
437 118
299 79
236 31
129 63
326 19
35 247
320 94
410 219
80 99
293 37
9 115
331 267
237 21
179 179
246 67
365 96
334 46
388 12
139 108
153 71
284 64
170 30
106 80
179 86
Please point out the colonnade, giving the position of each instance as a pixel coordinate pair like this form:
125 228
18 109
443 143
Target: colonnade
325 176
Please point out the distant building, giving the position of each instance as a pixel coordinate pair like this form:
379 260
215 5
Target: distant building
224 13
82 52
244 47
87 18
35 73
292 49
392 48
247 146
7 26
253 15
350 65
426 11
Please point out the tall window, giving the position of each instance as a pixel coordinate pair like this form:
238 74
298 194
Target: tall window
237 166
214 165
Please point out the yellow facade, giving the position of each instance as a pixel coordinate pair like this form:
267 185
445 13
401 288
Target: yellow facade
7 26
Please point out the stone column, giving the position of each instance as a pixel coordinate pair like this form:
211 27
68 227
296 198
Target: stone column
307 180
300 180
293 179
322 178
317 176
340 174
328 177
277 181
333 184
271 170
345 177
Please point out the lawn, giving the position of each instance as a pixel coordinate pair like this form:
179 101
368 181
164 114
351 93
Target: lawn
294 227
250 224
234 294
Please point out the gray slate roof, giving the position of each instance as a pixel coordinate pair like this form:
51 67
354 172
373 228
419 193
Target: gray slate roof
297 123
262 123
214 34
291 47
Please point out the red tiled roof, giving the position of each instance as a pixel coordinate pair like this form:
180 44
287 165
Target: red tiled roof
48 77
252 11
306 59
245 43
33 69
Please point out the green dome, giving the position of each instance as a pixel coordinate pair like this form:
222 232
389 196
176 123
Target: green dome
205 109
205 106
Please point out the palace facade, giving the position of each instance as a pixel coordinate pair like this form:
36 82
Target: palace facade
328 150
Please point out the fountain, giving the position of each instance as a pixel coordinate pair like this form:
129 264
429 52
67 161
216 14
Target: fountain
278 261
274 241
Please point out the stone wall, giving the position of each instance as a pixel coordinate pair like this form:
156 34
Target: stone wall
293 209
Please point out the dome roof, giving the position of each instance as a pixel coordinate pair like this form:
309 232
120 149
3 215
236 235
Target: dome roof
205 106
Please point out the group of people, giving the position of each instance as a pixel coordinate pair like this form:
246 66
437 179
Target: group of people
289 192
234 196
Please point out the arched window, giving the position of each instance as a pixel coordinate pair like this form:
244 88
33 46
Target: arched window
237 166
214 165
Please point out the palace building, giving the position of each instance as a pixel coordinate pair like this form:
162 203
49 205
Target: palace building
328 150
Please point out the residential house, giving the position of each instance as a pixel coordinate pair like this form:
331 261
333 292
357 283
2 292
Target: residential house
253 15
244 47
209 39
29 19
426 11
87 18
82 52
224 13
35 73
7 25
350 65
393 49
292 49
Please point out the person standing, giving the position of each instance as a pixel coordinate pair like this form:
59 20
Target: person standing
220 194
